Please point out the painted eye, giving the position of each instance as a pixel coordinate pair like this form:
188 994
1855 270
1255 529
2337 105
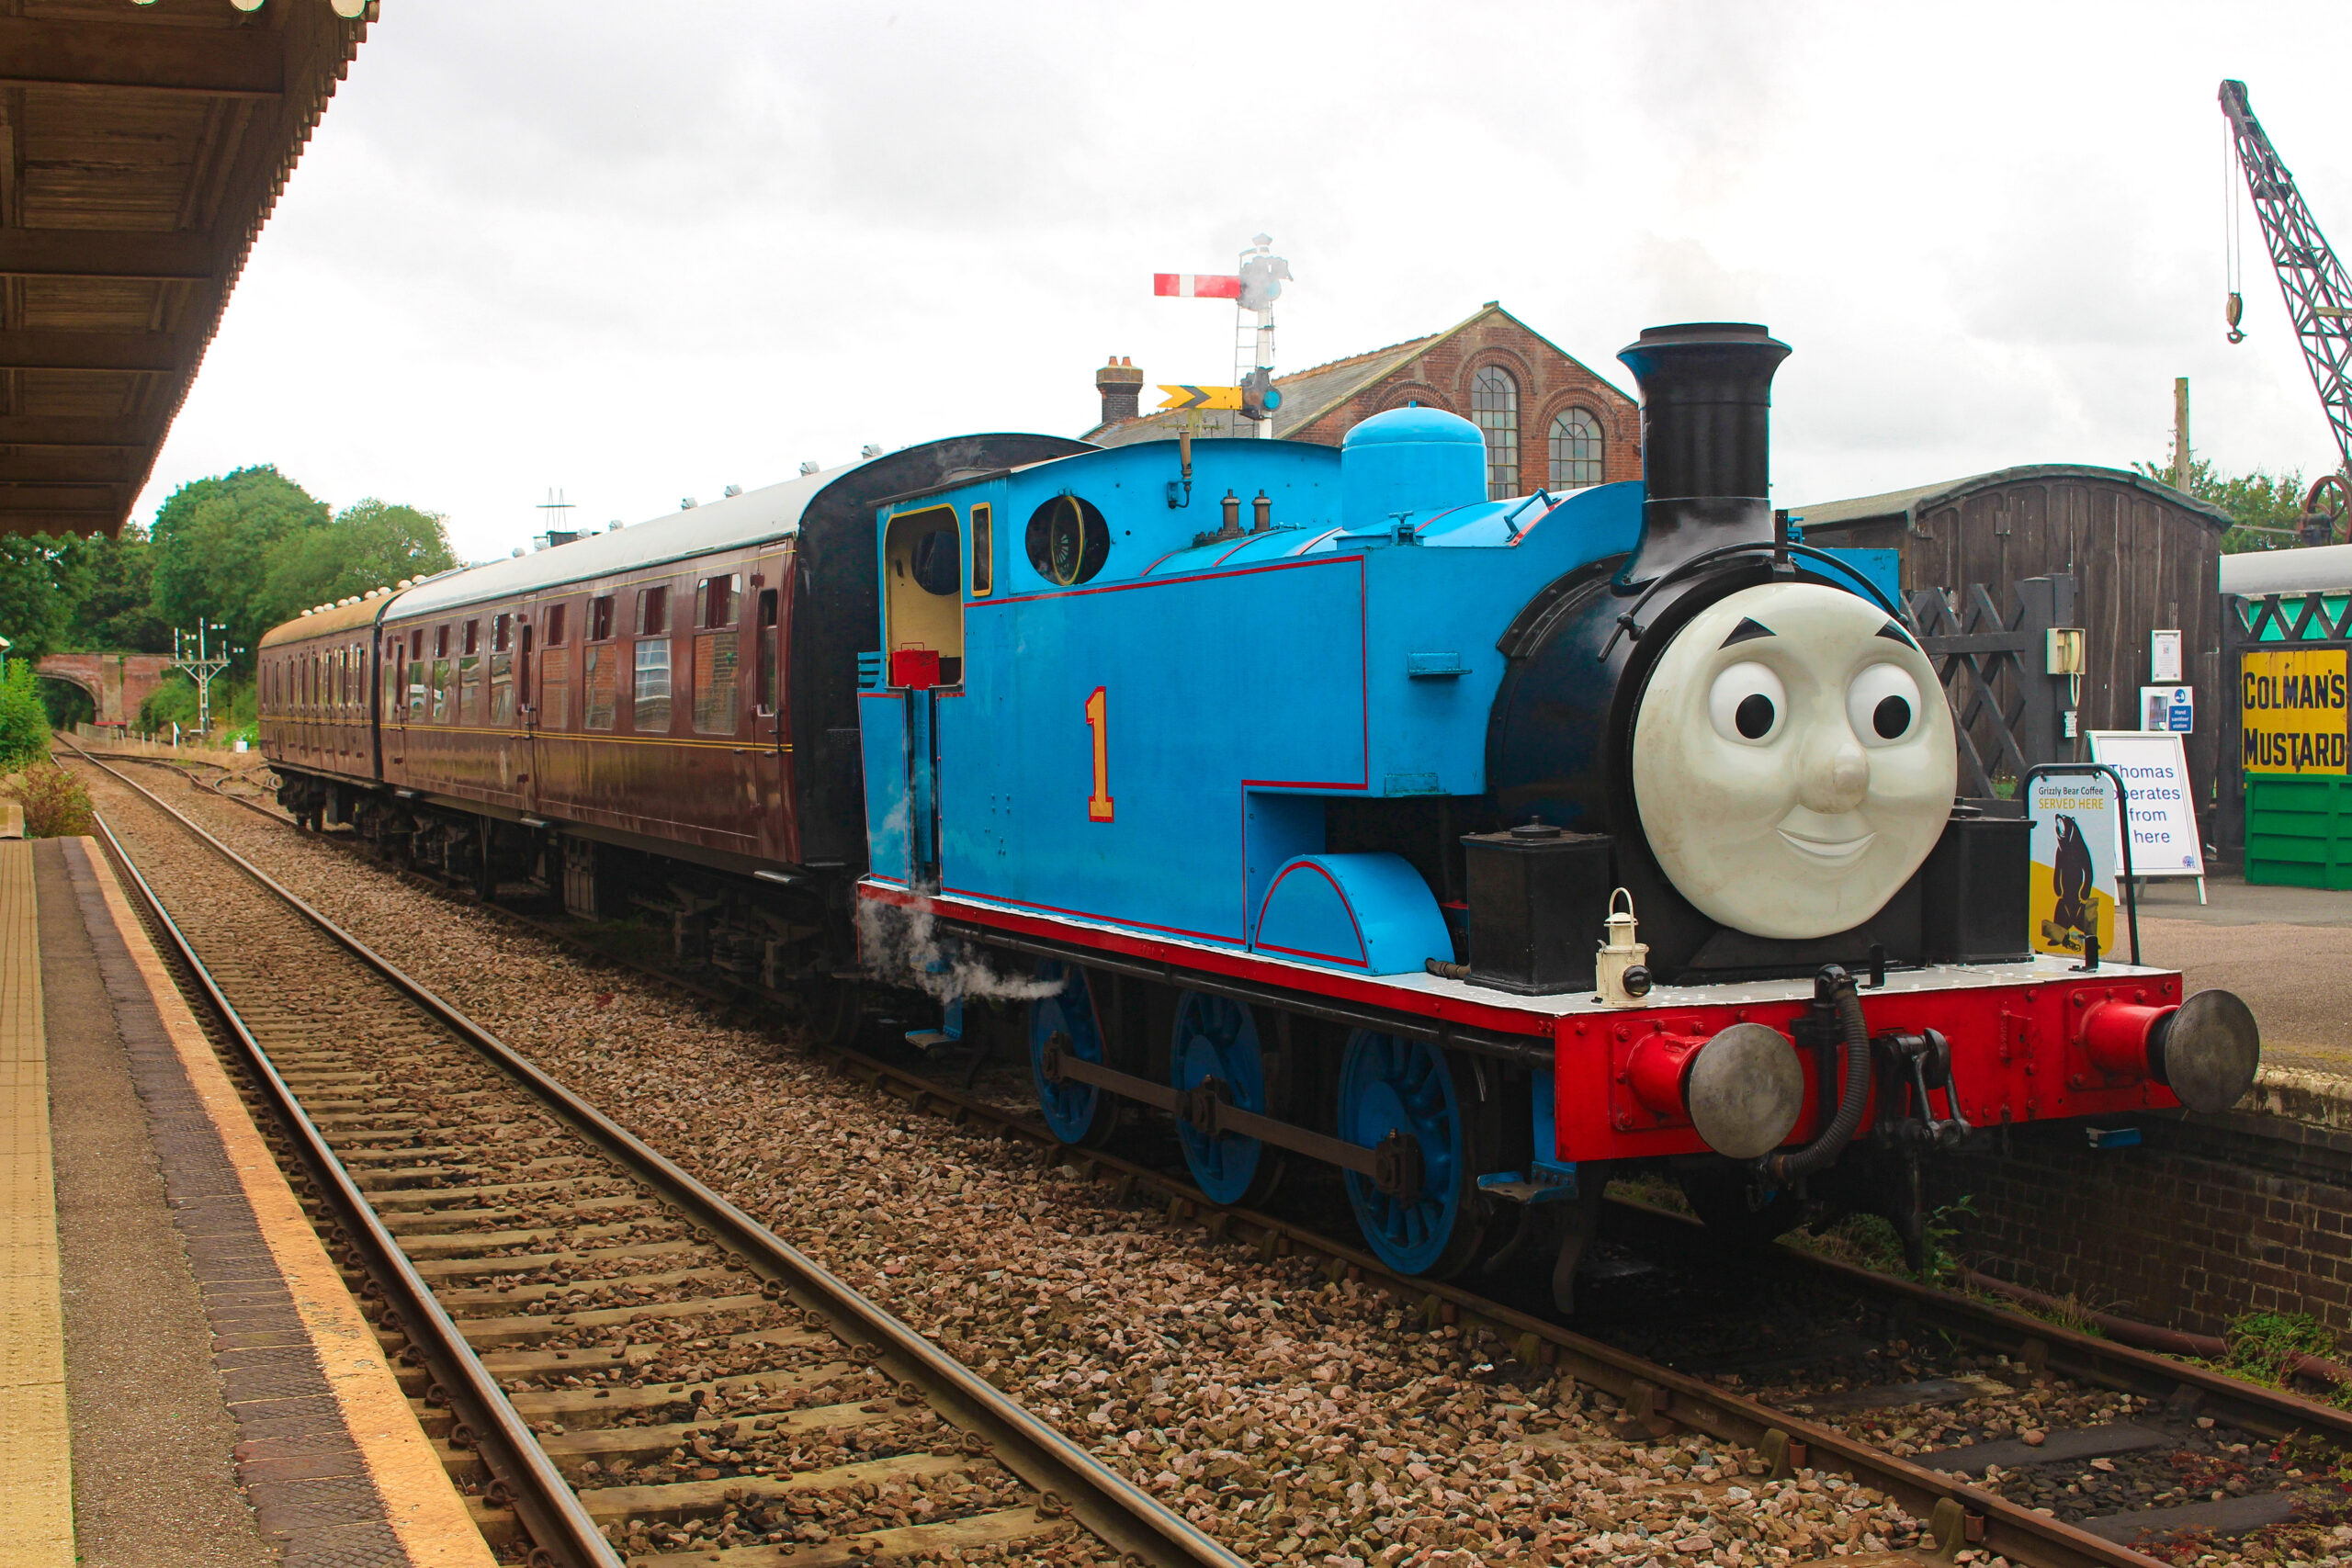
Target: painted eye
1883 704
1746 703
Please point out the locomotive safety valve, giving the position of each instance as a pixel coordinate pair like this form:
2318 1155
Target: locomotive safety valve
1742 1089
2205 1050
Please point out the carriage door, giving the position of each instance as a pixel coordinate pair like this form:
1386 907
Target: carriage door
770 723
527 712
922 560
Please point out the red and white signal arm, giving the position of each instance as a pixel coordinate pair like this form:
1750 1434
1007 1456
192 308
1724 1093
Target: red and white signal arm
1196 284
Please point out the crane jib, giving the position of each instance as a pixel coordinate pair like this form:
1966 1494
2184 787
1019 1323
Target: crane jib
2317 291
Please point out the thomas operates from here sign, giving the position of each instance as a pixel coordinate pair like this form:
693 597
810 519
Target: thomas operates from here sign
2291 710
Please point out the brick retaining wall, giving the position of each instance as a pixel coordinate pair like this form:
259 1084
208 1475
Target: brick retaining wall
2208 1218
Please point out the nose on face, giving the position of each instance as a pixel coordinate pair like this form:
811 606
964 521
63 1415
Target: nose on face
1833 775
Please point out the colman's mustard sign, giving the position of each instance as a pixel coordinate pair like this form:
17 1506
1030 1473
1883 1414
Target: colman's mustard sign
2293 711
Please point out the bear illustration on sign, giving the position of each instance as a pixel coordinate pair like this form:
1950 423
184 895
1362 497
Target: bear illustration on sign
2076 915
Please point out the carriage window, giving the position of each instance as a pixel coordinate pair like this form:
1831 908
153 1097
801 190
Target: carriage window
555 683
394 670
440 691
502 634
715 599
600 618
502 677
555 625
600 669
765 678
473 632
416 643
714 678
652 691
441 642
983 552
652 611
469 684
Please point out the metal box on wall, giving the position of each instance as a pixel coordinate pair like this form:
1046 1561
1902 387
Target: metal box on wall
1538 898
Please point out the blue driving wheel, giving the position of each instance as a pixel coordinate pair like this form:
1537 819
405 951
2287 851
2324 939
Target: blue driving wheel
1389 1084
1217 1040
1075 1113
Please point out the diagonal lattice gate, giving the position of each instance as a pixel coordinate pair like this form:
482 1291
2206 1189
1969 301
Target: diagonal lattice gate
1991 657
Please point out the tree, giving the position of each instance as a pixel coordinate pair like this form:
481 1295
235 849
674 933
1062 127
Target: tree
252 548
2263 507
109 586
371 543
24 727
32 609
216 541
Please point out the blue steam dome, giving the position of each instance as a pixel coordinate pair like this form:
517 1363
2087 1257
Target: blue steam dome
1409 459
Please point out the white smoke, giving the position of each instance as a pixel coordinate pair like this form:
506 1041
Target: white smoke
898 943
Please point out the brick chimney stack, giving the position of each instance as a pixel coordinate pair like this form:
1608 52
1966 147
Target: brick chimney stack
1121 385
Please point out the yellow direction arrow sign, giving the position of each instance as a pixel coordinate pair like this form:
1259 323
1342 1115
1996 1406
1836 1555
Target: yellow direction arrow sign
1200 397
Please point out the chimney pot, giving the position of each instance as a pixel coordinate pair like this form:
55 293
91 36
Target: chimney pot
1121 385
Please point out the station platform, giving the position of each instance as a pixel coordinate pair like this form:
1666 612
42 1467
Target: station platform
184 1377
2288 950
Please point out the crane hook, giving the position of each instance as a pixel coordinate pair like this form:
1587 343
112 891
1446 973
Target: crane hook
2235 311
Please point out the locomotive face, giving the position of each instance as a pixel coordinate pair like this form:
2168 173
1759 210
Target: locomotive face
1794 761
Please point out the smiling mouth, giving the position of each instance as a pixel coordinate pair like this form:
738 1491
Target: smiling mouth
1829 851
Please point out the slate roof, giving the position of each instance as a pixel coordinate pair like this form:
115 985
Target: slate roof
1308 395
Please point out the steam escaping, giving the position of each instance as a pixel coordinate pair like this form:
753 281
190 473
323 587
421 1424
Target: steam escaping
899 943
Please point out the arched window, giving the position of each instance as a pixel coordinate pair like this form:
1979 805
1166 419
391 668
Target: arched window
1575 450
1494 408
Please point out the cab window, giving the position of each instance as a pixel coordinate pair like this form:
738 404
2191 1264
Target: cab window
922 564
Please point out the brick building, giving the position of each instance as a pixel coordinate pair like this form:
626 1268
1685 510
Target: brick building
1551 423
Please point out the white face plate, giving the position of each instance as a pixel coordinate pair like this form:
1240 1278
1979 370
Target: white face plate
1792 766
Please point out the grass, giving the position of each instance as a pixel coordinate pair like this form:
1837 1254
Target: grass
1870 1241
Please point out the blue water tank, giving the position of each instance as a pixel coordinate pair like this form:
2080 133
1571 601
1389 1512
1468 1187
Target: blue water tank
1409 459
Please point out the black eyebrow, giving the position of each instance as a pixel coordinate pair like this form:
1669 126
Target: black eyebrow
1897 634
1745 629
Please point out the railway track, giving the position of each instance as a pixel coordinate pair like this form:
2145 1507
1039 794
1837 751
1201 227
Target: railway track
613 1360
1802 1429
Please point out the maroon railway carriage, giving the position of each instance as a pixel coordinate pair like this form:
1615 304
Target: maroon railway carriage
313 674
655 713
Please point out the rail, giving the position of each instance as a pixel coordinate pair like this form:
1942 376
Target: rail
1113 1508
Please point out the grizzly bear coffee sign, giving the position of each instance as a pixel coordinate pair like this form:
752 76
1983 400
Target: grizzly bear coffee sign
2291 711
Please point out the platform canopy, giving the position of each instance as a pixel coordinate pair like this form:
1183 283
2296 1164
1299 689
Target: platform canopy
141 148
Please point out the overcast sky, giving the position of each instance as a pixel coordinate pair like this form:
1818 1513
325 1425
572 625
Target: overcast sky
643 251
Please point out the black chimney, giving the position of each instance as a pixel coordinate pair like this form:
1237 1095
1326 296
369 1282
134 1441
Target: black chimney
1706 442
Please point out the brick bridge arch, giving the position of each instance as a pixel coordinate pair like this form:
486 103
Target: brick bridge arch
118 683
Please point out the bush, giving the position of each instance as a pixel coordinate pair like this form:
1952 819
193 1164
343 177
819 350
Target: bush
56 805
24 722
174 702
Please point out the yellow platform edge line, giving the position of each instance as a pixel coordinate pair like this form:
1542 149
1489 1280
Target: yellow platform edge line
37 1458
425 1511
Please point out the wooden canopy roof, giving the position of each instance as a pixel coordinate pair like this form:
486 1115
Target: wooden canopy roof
141 147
